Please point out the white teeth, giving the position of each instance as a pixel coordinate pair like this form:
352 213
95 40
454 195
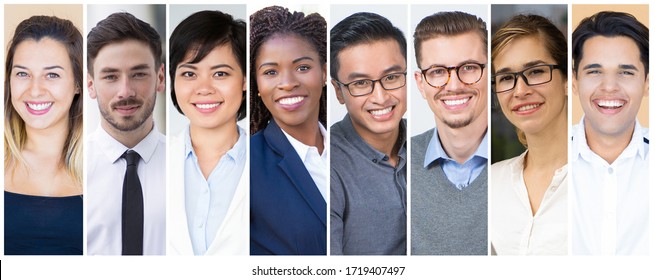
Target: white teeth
207 105
610 103
40 106
381 111
291 100
528 107
454 102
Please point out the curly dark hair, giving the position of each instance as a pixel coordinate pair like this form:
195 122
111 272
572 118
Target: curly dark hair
277 20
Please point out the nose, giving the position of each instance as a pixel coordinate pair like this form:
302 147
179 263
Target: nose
379 94
205 86
522 88
37 88
454 84
126 88
609 83
288 81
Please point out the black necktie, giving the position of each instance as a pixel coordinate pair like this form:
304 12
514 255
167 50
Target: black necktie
132 213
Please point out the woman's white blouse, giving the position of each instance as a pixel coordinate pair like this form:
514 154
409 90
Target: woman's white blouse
513 230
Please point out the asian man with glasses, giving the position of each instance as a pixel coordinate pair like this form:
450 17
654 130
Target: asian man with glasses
368 193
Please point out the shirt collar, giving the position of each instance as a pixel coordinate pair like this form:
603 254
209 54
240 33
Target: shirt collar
636 147
237 152
113 149
301 148
376 156
436 151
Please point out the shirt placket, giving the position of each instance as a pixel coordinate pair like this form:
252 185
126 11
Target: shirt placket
608 223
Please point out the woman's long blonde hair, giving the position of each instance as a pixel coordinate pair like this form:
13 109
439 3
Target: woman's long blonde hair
63 31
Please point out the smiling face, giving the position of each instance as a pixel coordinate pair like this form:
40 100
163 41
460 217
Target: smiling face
455 104
532 109
290 79
210 91
379 112
125 81
42 83
610 87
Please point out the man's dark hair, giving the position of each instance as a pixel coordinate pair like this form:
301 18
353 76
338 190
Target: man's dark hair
120 27
610 24
362 28
198 35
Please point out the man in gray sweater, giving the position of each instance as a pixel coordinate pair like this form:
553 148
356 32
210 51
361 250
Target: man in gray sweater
368 194
449 162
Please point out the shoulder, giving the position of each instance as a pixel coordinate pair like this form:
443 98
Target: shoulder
422 139
505 166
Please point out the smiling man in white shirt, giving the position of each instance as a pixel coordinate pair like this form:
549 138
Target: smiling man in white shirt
610 148
125 72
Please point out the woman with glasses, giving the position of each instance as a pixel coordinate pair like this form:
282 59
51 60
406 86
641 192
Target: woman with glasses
528 200
288 178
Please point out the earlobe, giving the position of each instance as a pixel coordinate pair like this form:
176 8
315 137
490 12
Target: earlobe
161 85
244 87
91 86
338 92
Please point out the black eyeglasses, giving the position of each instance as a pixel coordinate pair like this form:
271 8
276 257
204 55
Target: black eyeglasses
532 76
365 86
468 73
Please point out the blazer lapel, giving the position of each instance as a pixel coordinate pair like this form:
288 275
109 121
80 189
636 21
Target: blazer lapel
179 238
292 166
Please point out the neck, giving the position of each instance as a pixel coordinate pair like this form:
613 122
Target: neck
214 141
307 133
386 143
461 143
548 148
608 147
47 142
129 138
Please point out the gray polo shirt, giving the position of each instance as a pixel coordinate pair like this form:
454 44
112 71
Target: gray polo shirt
368 196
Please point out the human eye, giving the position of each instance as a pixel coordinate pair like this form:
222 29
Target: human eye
270 72
52 76
437 71
110 77
22 74
504 78
469 67
220 74
627 73
304 68
391 77
139 75
535 71
360 83
187 74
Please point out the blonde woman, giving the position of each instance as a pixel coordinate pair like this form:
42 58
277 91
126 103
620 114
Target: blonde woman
43 139
527 193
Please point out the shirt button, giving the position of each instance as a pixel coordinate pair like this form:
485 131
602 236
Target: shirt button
201 225
610 170
375 160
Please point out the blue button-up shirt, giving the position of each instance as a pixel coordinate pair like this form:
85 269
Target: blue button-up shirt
207 201
459 174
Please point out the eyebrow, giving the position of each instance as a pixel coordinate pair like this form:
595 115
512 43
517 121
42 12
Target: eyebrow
461 63
193 66
46 68
134 68
276 64
525 65
392 69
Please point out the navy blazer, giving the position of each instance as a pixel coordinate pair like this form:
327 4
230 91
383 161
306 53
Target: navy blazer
287 212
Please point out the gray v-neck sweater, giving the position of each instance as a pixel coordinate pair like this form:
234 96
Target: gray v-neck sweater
445 220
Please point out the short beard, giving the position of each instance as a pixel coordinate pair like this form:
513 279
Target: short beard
129 123
458 123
